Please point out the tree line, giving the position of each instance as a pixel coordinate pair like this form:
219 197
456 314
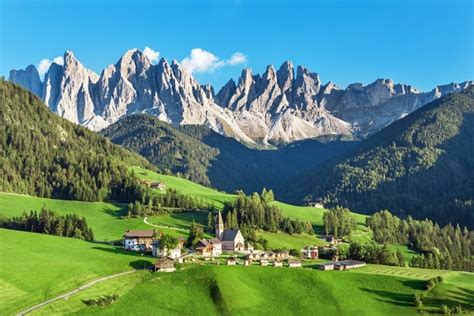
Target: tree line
51 223
163 203
257 211
448 247
339 222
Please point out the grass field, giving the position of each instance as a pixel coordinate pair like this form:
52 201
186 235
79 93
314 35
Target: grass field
35 267
58 264
186 187
296 241
223 290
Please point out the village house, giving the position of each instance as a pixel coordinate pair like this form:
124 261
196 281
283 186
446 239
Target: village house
159 251
282 255
231 261
231 239
138 240
165 264
294 263
209 248
253 256
310 252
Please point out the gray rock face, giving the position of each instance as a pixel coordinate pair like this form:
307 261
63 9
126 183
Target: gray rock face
28 78
281 105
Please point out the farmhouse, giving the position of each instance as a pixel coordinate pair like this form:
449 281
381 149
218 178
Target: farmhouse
158 185
326 266
159 251
348 264
165 264
341 265
294 263
232 239
138 240
209 248
310 252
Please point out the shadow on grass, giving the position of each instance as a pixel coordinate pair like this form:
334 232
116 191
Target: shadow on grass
131 254
140 264
454 296
398 299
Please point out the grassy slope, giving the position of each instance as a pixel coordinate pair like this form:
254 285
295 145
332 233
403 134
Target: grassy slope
257 290
104 218
35 267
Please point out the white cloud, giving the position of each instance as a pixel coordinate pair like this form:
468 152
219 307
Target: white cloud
151 54
201 60
237 58
45 63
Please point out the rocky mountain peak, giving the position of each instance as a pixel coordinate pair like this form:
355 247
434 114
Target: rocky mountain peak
276 106
28 78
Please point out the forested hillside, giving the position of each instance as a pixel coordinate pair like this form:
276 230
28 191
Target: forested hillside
203 156
45 155
421 165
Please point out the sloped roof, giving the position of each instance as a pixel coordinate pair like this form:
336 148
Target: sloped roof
202 244
139 233
215 241
229 234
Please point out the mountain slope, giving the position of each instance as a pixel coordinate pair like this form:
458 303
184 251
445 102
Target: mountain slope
421 165
209 158
45 155
278 106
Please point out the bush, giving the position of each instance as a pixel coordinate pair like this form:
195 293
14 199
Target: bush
101 301
444 309
457 309
418 302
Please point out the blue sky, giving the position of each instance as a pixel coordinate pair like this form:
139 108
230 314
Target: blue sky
422 43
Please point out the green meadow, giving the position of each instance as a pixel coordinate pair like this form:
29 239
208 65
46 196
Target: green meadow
223 290
36 267
104 218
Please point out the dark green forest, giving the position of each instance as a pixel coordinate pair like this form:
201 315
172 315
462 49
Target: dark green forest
421 165
51 223
44 155
206 157
449 247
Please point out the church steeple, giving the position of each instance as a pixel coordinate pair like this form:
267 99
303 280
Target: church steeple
219 225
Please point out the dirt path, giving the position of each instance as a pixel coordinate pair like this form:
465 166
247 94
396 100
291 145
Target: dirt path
75 291
145 220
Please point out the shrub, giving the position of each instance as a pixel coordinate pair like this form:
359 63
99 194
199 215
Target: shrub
444 309
101 301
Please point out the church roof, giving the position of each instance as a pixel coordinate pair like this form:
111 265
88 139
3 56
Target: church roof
229 234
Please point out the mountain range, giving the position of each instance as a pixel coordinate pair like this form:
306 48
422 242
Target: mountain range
278 106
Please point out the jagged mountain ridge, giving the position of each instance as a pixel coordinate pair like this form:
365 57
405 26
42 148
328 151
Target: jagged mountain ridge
278 106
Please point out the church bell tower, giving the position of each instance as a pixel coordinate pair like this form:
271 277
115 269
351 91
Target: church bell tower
219 225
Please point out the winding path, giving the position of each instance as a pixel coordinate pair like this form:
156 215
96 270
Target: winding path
145 220
75 291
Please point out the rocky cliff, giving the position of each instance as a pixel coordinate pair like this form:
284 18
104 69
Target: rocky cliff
279 106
